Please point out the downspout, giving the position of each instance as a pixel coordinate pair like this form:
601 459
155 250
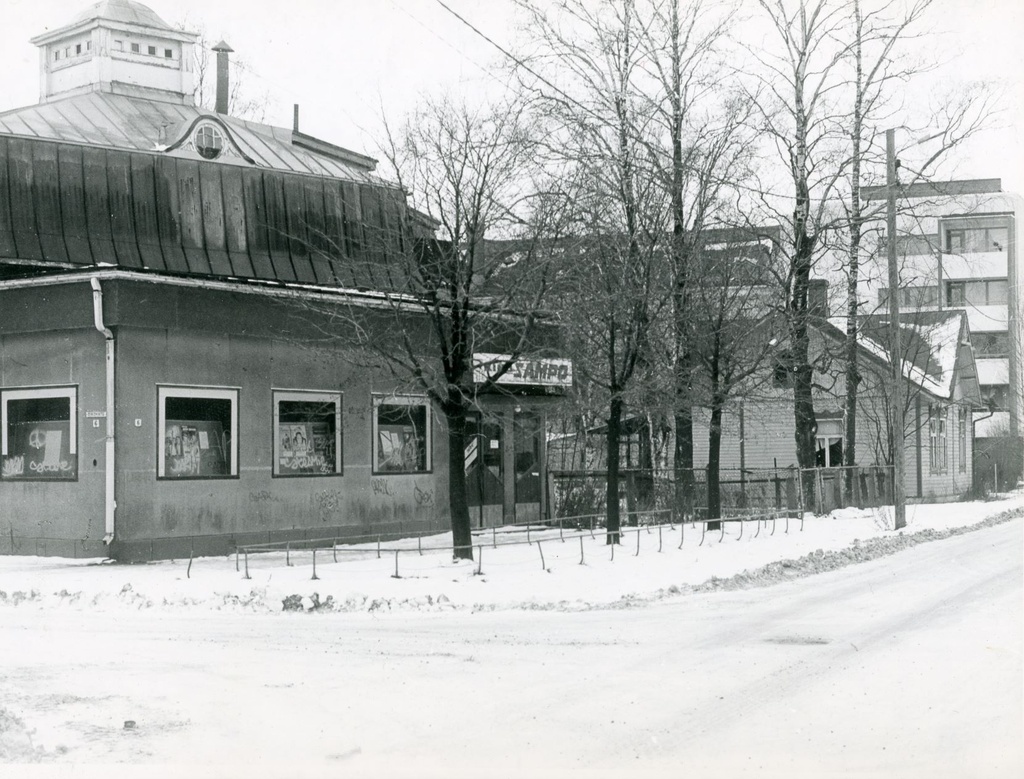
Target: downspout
109 503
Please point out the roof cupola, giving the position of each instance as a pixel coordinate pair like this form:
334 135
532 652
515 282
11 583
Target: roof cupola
120 47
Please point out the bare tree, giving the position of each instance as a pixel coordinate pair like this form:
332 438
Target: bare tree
734 327
699 127
584 71
470 171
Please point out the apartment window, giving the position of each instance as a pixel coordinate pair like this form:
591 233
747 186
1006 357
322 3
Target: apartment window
39 434
136 49
991 344
996 396
977 239
962 437
56 55
989 292
307 433
151 50
198 438
169 53
119 45
401 435
78 48
937 439
88 45
911 297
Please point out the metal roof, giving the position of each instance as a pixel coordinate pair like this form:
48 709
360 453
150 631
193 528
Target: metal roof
124 11
139 124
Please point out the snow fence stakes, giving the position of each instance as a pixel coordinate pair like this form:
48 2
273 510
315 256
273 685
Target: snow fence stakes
682 534
759 521
703 532
659 538
236 560
288 553
395 575
543 567
314 577
480 560
637 543
581 550
247 564
721 538
740 536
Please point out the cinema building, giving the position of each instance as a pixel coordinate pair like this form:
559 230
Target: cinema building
177 288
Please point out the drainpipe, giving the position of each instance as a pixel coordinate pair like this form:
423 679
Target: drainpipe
109 502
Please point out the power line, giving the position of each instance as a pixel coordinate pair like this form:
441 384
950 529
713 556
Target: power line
517 60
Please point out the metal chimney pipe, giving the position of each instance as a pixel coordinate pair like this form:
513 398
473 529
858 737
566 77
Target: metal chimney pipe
295 120
223 84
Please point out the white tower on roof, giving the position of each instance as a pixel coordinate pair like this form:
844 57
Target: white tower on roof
121 47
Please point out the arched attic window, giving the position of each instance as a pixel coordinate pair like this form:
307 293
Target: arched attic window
209 140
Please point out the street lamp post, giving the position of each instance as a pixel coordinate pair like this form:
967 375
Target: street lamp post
896 355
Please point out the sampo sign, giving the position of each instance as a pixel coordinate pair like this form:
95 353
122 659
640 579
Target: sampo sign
526 371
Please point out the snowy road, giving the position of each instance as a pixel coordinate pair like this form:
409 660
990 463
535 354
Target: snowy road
902 667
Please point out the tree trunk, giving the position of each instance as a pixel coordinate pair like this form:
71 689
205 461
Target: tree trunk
803 374
853 273
714 461
612 495
458 502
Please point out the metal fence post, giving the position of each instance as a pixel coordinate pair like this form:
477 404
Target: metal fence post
396 576
659 538
246 563
378 547
479 560
288 553
315 577
637 542
581 550
542 565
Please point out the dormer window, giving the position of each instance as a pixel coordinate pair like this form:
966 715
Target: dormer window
209 141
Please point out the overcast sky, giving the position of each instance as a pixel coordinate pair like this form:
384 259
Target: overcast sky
342 60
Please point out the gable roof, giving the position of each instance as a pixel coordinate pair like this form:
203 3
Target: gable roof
935 345
139 124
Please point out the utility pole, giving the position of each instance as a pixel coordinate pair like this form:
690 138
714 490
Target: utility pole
896 353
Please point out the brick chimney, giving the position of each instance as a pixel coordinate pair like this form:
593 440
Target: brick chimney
223 83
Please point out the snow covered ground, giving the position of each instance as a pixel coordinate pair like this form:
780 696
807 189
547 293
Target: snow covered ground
659 663
511 575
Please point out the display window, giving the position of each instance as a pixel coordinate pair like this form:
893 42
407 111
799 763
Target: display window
307 433
39 434
401 434
198 433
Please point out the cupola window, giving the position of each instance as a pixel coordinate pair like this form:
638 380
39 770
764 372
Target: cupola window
209 141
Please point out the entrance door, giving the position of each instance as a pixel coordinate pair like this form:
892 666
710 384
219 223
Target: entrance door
485 489
528 452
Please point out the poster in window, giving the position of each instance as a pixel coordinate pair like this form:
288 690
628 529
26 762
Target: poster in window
39 450
195 448
306 448
399 449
